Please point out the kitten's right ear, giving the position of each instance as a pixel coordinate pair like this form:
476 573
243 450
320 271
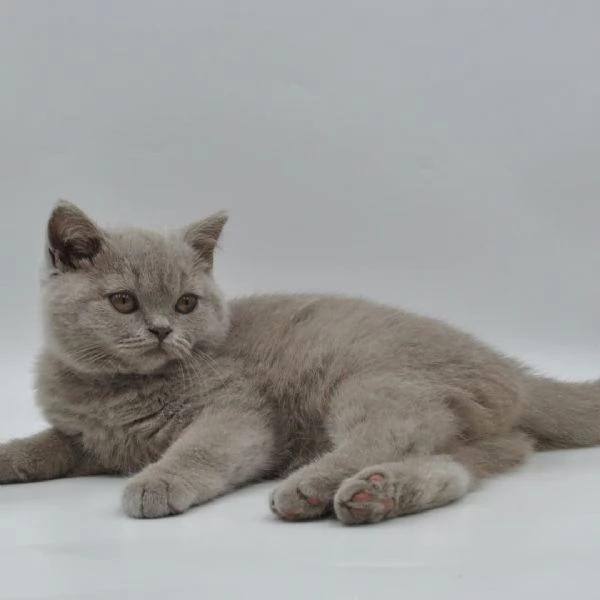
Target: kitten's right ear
73 238
203 237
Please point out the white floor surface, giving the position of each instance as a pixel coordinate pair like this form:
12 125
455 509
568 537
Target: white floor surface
534 533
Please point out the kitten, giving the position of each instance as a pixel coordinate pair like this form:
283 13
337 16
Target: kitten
366 411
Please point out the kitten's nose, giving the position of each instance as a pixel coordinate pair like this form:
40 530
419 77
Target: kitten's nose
160 332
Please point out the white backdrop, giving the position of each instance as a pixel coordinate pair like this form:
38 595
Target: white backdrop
442 156
439 155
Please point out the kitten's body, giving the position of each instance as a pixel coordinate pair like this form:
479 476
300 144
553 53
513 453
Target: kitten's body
368 410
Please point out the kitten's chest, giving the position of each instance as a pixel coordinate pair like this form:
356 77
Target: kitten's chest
126 440
125 427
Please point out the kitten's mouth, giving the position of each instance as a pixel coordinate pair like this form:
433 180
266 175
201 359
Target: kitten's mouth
158 349
154 357
155 353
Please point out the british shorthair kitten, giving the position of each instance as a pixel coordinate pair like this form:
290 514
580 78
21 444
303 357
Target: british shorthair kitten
365 411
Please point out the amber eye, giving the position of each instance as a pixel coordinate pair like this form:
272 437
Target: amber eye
124 302
186 304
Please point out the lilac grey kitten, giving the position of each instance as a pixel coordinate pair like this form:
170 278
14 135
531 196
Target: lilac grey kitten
365 411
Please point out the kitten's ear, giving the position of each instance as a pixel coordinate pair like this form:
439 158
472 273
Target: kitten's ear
204 235
73 238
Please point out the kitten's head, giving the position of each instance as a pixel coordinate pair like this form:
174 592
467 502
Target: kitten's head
130 300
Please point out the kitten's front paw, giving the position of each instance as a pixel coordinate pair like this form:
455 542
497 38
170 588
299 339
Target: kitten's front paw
153 494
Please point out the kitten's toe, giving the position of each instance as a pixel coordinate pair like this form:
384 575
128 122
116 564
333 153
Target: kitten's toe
294 500
153 496
366 498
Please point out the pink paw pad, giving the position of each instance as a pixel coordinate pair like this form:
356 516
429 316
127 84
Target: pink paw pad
361 497
313 501
376 478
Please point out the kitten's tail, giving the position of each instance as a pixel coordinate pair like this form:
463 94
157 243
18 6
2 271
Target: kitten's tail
562 415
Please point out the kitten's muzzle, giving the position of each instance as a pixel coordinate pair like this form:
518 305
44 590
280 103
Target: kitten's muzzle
161 333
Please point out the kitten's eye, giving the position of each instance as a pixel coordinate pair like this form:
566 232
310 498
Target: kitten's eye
124 302
186 304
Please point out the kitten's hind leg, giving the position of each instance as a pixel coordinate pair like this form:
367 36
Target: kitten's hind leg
391 490
495 454
419 483
372 420
308 492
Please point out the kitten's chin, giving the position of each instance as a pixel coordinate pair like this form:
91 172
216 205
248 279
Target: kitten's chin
145 362
152 362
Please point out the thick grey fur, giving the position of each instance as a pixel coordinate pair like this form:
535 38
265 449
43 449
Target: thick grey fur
365 411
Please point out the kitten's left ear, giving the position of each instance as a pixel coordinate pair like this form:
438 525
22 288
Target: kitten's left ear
73 238
204 235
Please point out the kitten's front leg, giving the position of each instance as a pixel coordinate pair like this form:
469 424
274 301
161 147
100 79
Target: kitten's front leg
46 455
223 449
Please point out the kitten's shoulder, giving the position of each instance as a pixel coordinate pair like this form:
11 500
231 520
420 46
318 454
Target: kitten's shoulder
56 387
51 375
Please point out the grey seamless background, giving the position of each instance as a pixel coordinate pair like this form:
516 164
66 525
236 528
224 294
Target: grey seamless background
441 156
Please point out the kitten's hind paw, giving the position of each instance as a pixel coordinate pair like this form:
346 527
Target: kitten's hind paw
367 498
391 490
300 500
